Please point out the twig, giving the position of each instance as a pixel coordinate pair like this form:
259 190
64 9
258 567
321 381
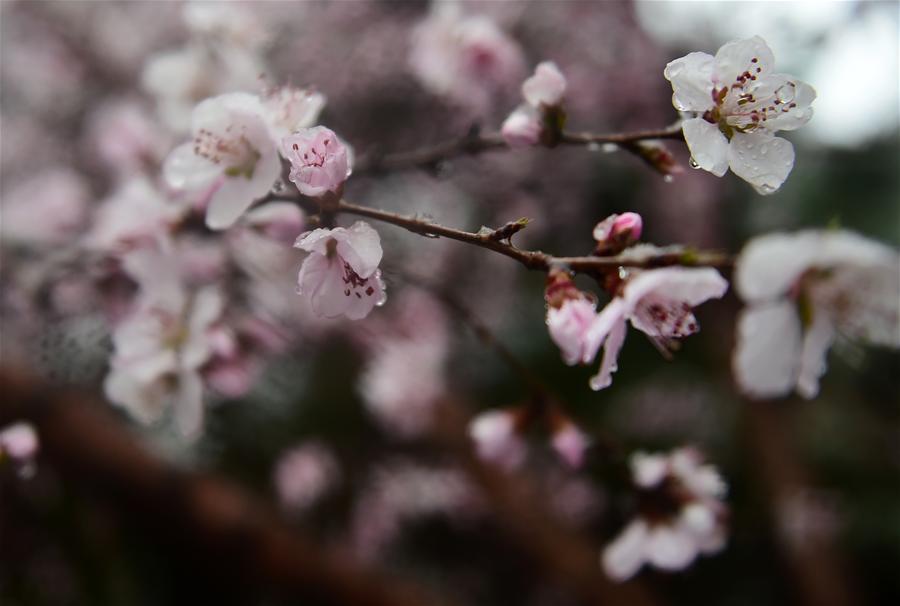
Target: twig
538 260
475 143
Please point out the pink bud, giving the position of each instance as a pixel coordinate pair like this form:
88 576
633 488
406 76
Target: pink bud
546 87
320 162
617 232
522 128
628 226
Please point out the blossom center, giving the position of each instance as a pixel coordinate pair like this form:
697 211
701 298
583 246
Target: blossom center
233 150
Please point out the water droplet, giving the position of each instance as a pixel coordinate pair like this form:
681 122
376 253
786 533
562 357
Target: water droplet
764 149
278 187
693 163
786 92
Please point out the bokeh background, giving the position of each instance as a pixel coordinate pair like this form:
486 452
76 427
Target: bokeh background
823 473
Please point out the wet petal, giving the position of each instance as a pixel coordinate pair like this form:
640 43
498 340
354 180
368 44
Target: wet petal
736 58
762 160
691 78
709 147
767 354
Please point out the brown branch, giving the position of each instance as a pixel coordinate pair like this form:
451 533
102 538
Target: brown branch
818 574
204 522
475 143
538 260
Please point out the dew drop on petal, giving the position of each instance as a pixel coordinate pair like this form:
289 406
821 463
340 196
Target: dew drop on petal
693 164
785 93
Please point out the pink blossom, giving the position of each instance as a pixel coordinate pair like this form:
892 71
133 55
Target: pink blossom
467 59
570 328
160 348
289 109
304 474
232 159
657 302
522 128
546 87
341 276
320 162
497 439
690 522
136 214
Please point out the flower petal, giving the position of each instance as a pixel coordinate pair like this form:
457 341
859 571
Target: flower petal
624 556
360 246
709 147
816 342
762 160
670 547
737 57
185 170
691 78
611 347
767 354
237 193
188 404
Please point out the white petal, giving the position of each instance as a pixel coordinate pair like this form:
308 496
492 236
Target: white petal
361 248
238 193
609 364
648 470
691 78
762 160
321 279
767 354
816 342
547 86
736 57
624 556
670 547
691 285
794 117
769 265
709 147
185 170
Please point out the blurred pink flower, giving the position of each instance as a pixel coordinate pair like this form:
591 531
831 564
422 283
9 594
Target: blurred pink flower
341 276
57 196
617 232
304 474
320 162
19 442
289 109
542 91
802 291
467 59
739 103
570 443
497 439
135 215
281 221
231 159
681 515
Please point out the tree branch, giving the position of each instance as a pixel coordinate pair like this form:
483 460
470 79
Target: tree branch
206 523
538 260
475 143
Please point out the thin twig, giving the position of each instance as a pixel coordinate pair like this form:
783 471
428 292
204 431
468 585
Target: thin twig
538 260
476 143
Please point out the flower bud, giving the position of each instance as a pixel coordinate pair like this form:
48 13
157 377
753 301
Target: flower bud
320 161
546 87
617 232
522 128
497 439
